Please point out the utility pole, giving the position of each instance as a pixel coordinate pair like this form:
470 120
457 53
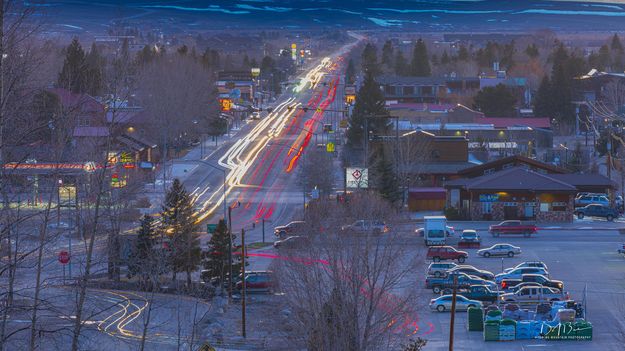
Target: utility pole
230 277
243 251
263 230
453 314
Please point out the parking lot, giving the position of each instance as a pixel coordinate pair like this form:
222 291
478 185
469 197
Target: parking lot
580 258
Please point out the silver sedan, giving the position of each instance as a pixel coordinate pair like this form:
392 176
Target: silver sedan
500 250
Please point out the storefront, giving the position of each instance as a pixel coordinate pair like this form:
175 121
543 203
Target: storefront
514 193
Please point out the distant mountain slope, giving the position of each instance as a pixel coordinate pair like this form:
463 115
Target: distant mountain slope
426 15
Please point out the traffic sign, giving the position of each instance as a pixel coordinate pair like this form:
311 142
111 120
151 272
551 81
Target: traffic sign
330 147
64 257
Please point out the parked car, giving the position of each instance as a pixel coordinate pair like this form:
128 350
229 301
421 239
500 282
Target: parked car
539 264
533 295
440 253
512 227
462 281
478 292
542 280
517 273
470 270
449 231
443 303
257 281
289 229
292 242
595 210
513 285
255 115
440 269
588 199
362 226
470 235
500 250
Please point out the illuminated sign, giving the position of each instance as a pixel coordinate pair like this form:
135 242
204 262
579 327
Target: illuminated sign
117 182
350 99
255 72
294 51
489 197
330 147
226 104
357 177
301 53
127 160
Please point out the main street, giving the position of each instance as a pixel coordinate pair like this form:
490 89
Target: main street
262 161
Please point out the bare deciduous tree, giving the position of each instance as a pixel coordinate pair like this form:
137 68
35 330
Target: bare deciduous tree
348 292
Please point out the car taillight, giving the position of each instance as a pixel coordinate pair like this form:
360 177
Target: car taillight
431 301
504 285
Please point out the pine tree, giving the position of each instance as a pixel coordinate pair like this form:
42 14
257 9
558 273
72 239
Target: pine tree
445 58
246 62
384 176
183 50
369 103
143 260
401 65
215 258
420 64
387 54
94 66
370 59
463 53
350 72
145 56
616 45
72 76
532 51
542 102
497 101
179 225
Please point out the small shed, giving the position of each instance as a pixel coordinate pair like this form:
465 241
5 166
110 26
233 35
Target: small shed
426 199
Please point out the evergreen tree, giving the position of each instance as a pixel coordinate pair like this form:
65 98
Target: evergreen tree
94 66
615 44
384 176
463 53
72 76
350 72
420 64
532 51
561 86
183 50
370 59
387 54
215 260
542 102
179 225
497 101
246 62
253 63
445 58
143 260
434 60
146 55
401 65
369 103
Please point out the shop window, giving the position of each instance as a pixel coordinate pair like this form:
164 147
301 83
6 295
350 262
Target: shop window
409 90
487 207
544 207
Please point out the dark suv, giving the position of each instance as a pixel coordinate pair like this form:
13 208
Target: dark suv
438 253
595 210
